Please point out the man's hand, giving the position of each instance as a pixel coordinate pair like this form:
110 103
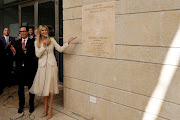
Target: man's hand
13 49
9 44
23 46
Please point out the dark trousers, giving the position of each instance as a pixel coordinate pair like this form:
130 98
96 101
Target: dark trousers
22 96
24 80
8 67
3 74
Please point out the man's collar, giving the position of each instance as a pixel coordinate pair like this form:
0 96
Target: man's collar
25 38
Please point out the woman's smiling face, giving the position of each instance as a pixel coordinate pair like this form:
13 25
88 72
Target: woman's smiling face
44 31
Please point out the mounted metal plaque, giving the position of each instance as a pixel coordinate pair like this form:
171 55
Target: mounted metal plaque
98 29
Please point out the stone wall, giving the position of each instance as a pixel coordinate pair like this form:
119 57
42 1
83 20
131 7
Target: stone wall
142 81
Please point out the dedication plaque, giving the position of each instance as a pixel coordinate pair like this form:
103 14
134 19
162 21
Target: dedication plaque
98 29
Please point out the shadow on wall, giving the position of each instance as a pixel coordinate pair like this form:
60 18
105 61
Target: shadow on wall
162 91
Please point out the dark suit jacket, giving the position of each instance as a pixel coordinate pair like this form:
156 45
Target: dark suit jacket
30 60
2 51
8 54
10 39
2 61
8 51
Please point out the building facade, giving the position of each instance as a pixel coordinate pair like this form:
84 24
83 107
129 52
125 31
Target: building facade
141 81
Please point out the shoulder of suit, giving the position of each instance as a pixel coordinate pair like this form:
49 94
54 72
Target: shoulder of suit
30 38
19 40
1 38
11 37
51 38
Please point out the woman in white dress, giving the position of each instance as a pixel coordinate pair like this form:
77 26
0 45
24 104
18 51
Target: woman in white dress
46 79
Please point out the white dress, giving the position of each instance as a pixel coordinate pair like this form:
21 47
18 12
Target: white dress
46 79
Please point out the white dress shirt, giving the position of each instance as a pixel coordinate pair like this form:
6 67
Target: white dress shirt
25 40
7 39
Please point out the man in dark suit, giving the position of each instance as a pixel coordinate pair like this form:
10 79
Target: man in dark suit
24 51
8 58
2 60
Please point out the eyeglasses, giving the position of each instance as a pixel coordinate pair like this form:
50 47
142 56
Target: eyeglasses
23 31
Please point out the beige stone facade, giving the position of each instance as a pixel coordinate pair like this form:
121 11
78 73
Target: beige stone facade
142 81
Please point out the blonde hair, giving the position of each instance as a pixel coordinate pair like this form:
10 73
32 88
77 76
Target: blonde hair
39 37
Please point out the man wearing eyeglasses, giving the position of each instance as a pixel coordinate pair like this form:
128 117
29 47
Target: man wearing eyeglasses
24 52
8 57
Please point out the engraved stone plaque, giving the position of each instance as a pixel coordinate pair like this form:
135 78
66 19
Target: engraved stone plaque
98 29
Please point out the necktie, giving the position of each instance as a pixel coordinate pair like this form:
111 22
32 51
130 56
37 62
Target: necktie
24 42
7 40
23 51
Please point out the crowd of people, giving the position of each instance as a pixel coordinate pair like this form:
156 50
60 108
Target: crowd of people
36 67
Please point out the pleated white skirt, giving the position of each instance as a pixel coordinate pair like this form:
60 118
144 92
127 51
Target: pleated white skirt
45 81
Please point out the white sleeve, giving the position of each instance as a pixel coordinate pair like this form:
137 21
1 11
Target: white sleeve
58 47
39 51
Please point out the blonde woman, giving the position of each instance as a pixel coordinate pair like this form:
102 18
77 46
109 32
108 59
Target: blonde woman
46 79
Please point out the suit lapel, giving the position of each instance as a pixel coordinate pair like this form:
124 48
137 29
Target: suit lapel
20 43
4 41
27 42
10 40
